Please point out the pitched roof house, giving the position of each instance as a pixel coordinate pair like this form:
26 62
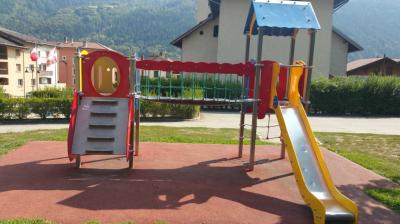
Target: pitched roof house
381 65
18 73
218 37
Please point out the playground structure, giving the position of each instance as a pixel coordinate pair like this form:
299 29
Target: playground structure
106 107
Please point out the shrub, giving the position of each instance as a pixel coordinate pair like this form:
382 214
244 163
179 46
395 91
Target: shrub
20 108
64 107
52 92
157 109
6 108
42 106
3 93
373 96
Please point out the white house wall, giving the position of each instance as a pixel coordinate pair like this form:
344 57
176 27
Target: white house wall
338 55
201 48
203 10
231 43
51 69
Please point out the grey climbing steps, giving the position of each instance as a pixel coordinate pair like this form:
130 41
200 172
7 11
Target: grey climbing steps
102 125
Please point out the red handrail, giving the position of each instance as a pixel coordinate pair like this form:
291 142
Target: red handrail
197 67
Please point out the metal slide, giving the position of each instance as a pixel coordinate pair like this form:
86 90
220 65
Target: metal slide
311 173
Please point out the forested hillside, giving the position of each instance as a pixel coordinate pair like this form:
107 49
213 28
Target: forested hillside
145 25
149 25
375 24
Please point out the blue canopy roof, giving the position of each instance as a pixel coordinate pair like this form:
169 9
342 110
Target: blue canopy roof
280 18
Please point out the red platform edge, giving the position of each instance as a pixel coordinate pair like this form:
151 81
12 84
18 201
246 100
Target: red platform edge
196 67
72 125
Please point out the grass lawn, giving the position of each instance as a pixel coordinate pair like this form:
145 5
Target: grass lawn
379 153
390 197
25 221
12 141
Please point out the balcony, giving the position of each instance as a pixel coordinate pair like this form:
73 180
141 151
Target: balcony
46 74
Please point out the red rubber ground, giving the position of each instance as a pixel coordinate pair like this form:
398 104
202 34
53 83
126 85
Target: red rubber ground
177 183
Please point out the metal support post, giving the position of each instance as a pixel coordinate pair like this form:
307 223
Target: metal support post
291 61
256 99
243 106
313 34
137 110
77 69
132 82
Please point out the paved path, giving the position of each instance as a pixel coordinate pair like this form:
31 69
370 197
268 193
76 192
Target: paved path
231 120
177 183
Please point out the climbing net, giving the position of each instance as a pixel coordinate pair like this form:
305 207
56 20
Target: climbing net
194 83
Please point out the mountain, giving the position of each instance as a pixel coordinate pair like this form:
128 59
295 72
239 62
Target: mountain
374 24
143 25
149 25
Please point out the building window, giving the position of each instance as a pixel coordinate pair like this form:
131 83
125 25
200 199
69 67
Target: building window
33 82
3 82
17 52
156 74
3 52
18 68
45 81
216 31
3 68
201 32
43 67
20 82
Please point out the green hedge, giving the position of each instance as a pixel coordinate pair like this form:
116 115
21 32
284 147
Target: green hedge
56 103
371 96
156 109
52 92
20 108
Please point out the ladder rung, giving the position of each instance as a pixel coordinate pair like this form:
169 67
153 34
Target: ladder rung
101 126
100 139
98 114
105 102
99 152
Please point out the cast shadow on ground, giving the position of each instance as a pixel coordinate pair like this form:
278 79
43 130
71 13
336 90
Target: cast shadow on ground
150 188
102 189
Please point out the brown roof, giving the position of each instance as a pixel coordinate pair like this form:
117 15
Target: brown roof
366 61
361 63
80 44
18 37
7 42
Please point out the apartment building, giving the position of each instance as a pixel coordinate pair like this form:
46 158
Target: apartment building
20 75
12 62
